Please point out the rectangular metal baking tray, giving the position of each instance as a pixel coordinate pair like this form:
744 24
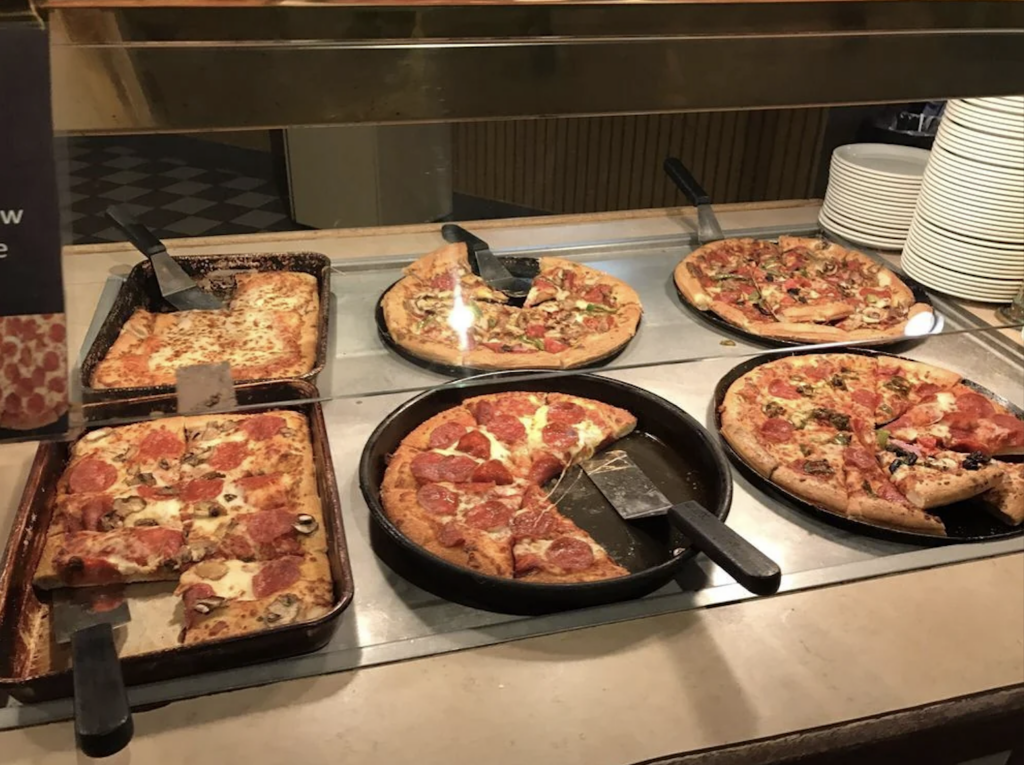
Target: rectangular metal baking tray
140 290
24 616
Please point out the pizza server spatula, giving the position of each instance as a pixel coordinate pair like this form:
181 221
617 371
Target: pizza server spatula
178 288
708 229
634 496
485 264
84 618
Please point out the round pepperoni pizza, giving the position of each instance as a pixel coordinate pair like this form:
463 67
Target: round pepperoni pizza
466 485
879 438
33 370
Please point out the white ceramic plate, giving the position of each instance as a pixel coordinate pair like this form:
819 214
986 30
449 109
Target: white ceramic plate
1003 149
1005 179
884 183
867 224
976 283
858 206
880 243
970 152
956 283
942 231
884 159
981 136
964 187
973 224
928 235
868 190
1012 105
984 121
949 198
1008 268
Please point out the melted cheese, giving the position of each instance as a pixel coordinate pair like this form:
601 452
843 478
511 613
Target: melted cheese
235 584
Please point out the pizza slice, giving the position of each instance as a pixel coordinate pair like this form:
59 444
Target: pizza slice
89 558
874 498
901 384
960 419
1006 497
228 598
940 478
549 548
793 290
466 523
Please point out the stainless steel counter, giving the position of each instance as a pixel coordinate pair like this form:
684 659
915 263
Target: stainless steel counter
391 620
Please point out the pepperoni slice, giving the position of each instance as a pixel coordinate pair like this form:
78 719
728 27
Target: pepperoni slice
160 444
452 534
256 482
865 397
459 469
560 435
517 404
927 442
782 389
974 404
924 414
1012 424
426 467
228 455
536 331
476 444
534 524
507 429
489 516
777 430
554 346
927 389
202 489
570 554
444 282
545 467
91 475
437 499
566 412
887 491
156 492
444 436
859 458
194 594
491 471
275 575
267 525
93 511
263 426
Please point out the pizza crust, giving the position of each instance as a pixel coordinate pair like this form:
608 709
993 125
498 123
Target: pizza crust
810 489
884 513
1006 497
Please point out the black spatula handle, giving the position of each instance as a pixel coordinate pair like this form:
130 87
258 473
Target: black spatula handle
455 234
685 182
737 557
142 238
103 719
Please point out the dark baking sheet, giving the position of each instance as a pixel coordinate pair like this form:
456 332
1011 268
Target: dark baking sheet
672 448
20 602
709 316
966 521
140 290
518 266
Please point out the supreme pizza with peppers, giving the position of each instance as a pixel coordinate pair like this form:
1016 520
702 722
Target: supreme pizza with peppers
878 438
801 289
442 312
268 330
466 485
225 505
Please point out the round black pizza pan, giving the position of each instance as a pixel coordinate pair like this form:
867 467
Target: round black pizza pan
709 316
517 266
966 521
672 448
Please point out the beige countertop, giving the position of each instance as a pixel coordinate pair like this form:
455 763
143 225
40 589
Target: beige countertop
613 694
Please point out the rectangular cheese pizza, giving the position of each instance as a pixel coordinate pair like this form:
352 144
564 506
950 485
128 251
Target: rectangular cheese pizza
267 331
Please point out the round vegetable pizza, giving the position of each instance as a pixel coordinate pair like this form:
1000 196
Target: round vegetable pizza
878 438
807 290
466 485
573 315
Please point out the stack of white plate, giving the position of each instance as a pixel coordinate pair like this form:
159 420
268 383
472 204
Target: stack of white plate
872 190
967 235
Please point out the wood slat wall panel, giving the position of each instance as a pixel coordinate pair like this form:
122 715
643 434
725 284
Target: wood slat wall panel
614 163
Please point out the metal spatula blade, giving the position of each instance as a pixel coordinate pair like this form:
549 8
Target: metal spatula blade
178 288
708 229
634 496
86 618
485 264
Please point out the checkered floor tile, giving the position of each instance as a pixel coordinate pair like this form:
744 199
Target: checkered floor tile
174 193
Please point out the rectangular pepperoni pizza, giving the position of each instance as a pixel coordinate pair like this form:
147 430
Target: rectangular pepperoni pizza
225 505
